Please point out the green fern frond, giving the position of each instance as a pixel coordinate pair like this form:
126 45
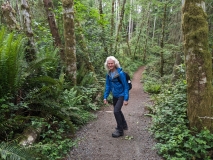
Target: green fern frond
47 80
85 78
2 35
11 55
14 152
53 110
35 65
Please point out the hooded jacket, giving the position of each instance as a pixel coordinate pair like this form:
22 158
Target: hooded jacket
113 85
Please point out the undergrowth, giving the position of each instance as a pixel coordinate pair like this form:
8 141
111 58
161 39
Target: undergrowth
171 127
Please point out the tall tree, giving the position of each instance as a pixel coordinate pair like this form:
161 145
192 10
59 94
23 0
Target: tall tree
102 27
162 42
48 5
112 25
26 18
8 14
198 64
120 25
69 38
147 33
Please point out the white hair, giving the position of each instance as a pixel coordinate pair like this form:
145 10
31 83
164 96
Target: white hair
117 64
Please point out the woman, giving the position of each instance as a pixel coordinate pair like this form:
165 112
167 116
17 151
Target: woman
117 84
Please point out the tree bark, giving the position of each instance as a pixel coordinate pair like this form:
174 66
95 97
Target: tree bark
8 14
162 43
48 5
141 28
26 18
147 33
103 28
112 25
69 37
120 26
153 32
198 65
30 135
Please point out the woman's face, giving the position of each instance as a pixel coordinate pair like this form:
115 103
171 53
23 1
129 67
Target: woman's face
111 65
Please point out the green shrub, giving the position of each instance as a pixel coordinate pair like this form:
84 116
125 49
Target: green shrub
170 127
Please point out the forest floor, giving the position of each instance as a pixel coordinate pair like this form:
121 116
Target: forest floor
95 141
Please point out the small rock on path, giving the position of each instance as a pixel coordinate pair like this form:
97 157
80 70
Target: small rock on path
96 141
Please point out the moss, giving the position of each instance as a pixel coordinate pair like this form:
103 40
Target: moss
198 64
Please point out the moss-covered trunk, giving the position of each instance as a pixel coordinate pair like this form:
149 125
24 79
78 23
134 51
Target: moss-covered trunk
198 64
162 42
69 38
8 13
26 18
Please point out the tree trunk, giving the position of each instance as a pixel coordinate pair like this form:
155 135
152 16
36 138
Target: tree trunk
26 17
147 33
153 32
69 38
82 43
178 61
102 27
120 26
141 29
198 65
130 26
8 14
175 31
112 25
30 135
162 43
48 5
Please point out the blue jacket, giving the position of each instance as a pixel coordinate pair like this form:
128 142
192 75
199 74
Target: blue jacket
113 85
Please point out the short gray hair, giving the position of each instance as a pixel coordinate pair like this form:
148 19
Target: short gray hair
117 64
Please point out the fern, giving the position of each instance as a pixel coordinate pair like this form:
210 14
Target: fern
14 152
11 62
84 78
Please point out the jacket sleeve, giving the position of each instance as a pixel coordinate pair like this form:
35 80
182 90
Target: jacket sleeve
126 86
107 87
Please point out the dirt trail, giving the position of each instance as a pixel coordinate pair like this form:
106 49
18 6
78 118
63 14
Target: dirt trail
96 141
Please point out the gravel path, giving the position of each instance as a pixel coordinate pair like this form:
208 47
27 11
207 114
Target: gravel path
96 141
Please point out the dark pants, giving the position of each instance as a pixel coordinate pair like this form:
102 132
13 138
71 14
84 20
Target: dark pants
121 122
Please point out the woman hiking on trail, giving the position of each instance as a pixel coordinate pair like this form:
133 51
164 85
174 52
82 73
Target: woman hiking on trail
117 84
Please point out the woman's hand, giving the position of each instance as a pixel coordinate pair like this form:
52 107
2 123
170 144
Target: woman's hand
105 101
125 103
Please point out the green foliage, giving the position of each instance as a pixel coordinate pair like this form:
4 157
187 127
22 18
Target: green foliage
170 126
54 142
14 152
152 87
152 80
11 62
44 98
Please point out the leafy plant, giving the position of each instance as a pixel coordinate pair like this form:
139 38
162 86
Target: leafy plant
10 151
170 126
11 62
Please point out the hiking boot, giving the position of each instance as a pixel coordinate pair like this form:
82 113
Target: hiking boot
117 133
124 128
